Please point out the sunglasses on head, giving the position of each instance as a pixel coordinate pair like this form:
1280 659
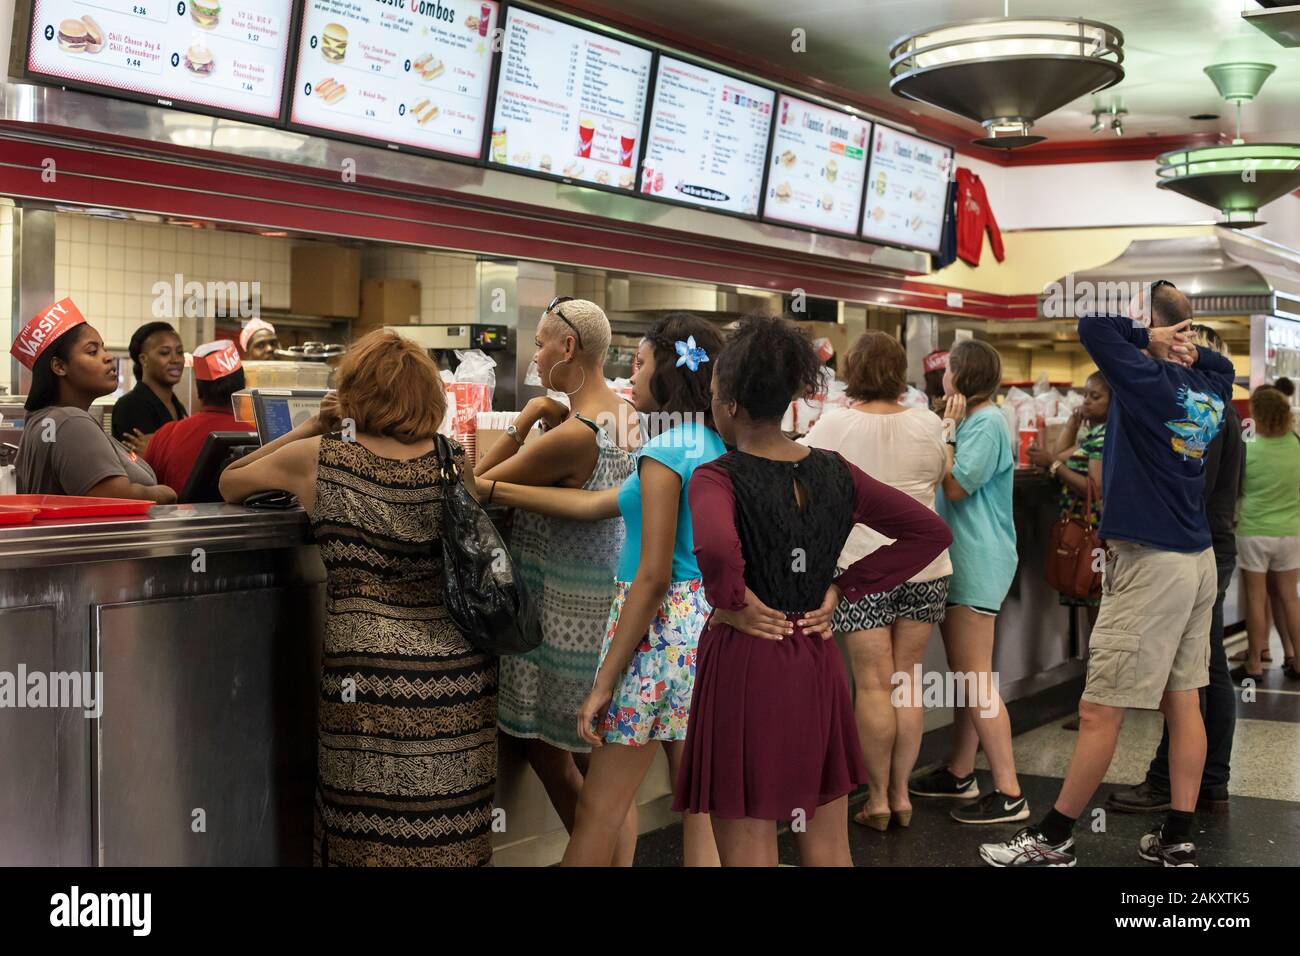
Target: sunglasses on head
1162 282
554 309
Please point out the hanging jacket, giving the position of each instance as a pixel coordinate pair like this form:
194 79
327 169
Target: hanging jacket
974 215
947 253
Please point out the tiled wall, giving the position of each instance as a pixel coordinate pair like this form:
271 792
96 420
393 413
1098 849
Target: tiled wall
110 267
6 284
448 283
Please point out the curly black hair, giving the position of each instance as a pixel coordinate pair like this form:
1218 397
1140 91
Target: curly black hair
768 362
675 388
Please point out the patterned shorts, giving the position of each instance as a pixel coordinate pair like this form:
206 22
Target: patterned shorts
915 600
652 699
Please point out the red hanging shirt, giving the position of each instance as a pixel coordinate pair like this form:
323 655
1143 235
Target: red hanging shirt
974 215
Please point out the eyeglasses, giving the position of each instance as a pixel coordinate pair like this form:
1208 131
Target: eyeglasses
1162 282
554 309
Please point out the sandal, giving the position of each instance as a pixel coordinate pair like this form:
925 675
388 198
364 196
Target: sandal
1241 655
876 821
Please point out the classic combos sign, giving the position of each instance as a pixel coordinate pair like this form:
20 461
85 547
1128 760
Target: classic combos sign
907 187
818 163
405 72
220 54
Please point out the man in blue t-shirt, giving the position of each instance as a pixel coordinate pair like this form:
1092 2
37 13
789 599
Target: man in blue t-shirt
1150 646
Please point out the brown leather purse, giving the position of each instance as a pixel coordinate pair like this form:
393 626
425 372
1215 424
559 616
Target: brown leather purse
1072 551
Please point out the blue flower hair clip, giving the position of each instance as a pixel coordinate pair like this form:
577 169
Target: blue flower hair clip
690 355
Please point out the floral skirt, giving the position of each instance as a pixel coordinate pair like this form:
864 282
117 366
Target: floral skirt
653 696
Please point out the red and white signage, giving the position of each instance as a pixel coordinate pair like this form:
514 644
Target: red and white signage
41 332
221 54
214 360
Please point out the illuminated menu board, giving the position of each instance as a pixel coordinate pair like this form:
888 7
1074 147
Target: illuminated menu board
570 102
907 188
707 139
226 55
817 167
411 74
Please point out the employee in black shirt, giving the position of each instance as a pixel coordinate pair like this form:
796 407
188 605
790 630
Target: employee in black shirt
1225 465
158 360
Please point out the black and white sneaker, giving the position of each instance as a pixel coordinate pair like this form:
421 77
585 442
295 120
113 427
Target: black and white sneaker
993 807
1029 848
1153 848
939 782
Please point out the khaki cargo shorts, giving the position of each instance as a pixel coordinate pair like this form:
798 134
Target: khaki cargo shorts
1153 630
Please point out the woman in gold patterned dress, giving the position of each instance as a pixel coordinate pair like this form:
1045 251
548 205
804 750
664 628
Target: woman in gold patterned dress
406 765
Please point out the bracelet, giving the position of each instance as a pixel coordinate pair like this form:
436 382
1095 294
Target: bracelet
492 491
1054 468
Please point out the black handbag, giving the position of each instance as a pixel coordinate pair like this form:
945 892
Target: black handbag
484 596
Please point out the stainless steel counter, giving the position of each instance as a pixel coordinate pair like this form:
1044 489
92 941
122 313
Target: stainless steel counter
201 626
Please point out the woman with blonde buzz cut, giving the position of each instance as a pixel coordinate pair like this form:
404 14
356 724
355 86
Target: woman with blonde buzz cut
567 565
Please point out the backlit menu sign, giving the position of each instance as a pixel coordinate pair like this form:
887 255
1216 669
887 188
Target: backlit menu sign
411 73
570 102
907 187
226 55
707 139
818 163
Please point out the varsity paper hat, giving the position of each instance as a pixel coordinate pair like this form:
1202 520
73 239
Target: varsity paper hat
43 330
214 360
254 326
935 360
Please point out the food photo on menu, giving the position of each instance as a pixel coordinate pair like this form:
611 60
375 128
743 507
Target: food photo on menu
818 166
570 101
230 56
403 75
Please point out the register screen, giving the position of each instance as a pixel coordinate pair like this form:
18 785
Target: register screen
283 415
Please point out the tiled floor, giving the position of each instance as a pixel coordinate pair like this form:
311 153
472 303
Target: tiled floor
1262 827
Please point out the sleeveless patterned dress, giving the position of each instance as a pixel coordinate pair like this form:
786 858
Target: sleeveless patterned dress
571 565
407 754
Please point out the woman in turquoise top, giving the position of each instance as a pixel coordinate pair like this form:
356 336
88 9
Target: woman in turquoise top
975 500
641 696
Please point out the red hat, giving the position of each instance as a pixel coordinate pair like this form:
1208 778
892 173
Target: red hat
214 360
42 331
935 361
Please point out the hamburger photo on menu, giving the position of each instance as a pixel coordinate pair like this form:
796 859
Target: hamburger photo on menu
80 36
198 60
334 42
206 13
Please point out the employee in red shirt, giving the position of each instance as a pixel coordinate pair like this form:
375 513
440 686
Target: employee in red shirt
218 374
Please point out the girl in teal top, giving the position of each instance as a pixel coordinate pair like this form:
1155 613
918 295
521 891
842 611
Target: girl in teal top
642 692
975 500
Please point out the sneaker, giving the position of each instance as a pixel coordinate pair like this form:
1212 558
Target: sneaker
939 782
1152 847
1140 799
1029 848
994 807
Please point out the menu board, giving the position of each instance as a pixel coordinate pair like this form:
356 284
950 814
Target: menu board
707 139
819 161
226 55
907 187
413 74
570 102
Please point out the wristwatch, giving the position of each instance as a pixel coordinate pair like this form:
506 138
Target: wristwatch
1055 467
514 433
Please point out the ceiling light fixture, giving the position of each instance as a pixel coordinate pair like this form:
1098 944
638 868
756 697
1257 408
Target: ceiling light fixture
1115 113
1240 178
1004 73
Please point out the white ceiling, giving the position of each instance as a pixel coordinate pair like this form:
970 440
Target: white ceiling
1167 43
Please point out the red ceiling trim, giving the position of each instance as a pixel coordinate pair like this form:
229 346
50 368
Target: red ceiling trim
184 184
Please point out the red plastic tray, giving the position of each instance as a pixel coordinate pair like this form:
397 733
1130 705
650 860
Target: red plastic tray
70 506
12 514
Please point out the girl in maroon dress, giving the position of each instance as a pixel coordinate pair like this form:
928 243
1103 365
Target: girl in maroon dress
772 734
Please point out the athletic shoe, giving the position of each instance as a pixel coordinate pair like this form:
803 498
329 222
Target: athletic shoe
994 807
939 782
1152 847
1029 848
1140 799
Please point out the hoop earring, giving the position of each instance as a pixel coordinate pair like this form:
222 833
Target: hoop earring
572 393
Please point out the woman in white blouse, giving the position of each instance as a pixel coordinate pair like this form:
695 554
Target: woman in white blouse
886 634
